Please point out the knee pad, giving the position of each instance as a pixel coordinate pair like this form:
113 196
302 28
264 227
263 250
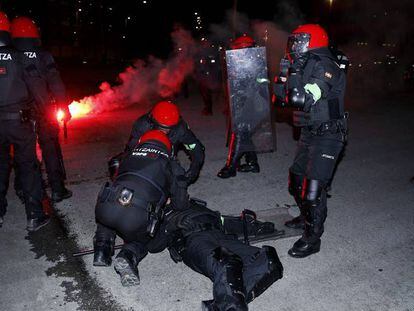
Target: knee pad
295 184
312 192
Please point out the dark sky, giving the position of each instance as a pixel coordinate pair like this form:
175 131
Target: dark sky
141 27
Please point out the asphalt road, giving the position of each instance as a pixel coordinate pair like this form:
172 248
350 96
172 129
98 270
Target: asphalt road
366 259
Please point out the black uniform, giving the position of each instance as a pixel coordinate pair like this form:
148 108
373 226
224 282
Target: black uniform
239 272
147 176
315 85
19 82
47 126
180 136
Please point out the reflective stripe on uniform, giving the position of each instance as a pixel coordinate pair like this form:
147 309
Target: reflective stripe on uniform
314 90
190 146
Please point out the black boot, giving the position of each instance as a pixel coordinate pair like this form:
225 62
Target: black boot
103 250
229 292
273 273
35 224
227 172
126 265
296 223
249 167
63 194
303 248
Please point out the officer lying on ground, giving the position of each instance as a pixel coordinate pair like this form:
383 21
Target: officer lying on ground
132 207
165 116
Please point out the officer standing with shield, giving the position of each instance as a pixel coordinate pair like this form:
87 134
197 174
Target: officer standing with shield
26 38
250 128
19 81
314 83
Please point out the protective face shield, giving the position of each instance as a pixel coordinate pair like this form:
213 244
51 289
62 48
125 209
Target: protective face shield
305 38
297 45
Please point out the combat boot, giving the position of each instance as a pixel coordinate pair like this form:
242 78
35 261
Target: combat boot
249 167
103 250
296 223
58 196
227 172
269 260
303 248
126 265
35 224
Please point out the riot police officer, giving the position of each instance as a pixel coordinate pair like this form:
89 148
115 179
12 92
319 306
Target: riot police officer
242 136
133 204
19 82
133 207
207 73
165 116
313 82
26 38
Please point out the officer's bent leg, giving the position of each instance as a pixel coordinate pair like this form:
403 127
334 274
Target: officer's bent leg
103 245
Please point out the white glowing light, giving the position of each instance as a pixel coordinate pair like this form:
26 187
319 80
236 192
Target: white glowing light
80 10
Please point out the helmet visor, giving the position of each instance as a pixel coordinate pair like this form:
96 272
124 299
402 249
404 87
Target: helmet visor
297 44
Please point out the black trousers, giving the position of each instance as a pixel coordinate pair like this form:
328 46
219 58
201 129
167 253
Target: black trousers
23 139
316 158
48 136
240 145
199 256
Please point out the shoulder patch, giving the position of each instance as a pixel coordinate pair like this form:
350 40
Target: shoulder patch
3 70
328 75
190 146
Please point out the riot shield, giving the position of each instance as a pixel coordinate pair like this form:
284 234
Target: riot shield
248 96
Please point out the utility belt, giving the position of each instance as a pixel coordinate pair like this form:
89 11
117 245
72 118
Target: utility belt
331 126
24 115
125 198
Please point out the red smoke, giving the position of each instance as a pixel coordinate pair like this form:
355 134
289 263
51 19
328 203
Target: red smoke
143 80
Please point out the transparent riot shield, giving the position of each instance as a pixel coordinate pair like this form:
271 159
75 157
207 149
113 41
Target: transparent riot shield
249 99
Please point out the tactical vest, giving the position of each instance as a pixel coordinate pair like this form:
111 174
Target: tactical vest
14 94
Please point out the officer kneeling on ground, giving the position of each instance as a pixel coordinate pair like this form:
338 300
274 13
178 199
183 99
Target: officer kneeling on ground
133 207
313 80
165 116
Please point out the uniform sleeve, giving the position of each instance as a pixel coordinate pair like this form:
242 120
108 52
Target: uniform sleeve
36 84
140 126
322 79
54 80
195 149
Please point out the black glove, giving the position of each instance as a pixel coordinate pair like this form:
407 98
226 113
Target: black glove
299 63
113 165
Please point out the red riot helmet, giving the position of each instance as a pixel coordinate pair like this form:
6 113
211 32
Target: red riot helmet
306 37
242 42
4 22
4 29
157 136
165 114
24 27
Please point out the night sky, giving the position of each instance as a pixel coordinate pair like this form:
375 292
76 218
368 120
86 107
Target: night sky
135 28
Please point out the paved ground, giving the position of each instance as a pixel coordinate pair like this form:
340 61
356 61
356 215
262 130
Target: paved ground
366 261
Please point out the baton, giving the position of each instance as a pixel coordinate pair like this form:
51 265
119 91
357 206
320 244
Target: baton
91 251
